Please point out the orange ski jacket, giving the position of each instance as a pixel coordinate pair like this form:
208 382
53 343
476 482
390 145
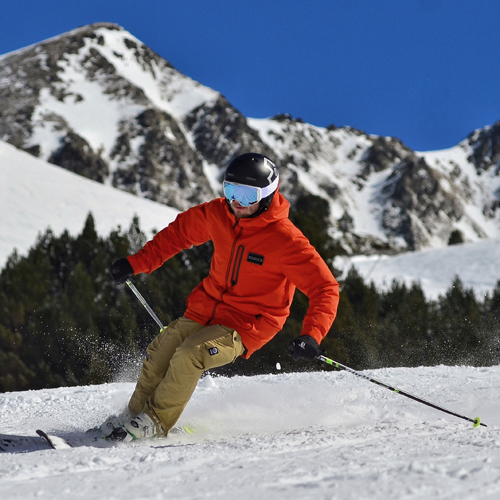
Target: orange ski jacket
256 265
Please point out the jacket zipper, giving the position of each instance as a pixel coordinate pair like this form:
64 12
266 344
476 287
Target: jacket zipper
237 264
236 269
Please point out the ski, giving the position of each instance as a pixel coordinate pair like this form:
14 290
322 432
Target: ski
10 443
54 442
74 441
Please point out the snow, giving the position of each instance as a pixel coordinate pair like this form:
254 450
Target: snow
35 195
87 97
80 115
334 160
483 186
175 93
316 435
476 264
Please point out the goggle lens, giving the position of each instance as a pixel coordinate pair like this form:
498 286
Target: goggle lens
245 195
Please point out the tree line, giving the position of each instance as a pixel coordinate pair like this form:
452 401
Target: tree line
64 322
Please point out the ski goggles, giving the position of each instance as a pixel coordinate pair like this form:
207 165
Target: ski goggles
247 195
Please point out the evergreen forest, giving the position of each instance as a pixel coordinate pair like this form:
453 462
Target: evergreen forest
64 322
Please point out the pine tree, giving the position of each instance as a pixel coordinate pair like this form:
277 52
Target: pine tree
403 330
459 320
311 214
356 321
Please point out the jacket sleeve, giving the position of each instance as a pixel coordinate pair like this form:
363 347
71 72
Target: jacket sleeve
189 229
305 268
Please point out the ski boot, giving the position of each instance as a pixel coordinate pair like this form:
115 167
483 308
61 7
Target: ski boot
113 422
139 427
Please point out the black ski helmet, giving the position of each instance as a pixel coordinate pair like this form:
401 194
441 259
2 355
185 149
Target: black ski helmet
254 169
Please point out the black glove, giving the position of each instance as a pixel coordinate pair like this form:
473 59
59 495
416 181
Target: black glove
303 347
121 270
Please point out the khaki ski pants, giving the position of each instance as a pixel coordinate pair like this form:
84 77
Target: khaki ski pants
174 363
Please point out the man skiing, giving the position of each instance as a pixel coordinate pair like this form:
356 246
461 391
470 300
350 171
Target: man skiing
259 259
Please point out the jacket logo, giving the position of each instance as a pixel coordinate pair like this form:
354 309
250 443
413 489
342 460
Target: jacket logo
213 350
255 258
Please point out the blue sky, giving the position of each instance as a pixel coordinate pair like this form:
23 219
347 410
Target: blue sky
425 71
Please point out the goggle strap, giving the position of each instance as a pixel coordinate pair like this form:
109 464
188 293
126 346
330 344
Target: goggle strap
266 191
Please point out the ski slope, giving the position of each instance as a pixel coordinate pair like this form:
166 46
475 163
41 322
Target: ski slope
476 264
316 435
35 195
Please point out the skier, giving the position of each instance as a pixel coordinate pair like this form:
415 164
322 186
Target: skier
259 258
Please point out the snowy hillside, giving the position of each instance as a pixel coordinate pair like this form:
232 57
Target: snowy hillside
35 195
333 160
318 435
382 191
477 185
476 264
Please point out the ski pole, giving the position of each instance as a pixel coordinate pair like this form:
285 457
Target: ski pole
142 300
476 421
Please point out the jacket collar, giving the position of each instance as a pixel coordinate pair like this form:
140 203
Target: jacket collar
278 210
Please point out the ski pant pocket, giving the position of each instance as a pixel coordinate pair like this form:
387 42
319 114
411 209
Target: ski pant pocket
215 346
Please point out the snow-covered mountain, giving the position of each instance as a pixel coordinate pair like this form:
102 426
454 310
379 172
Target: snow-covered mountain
100 103
35 195
295 436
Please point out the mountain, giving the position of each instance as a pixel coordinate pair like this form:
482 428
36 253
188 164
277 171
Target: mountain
98 102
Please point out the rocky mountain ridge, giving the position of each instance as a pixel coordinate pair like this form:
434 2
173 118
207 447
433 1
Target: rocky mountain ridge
100 103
